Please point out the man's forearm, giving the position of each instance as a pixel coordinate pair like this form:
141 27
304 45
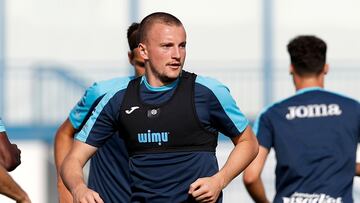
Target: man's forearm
72 168
64 139
72 174
240 157
257 191
252 177
357 169
10 188
3 148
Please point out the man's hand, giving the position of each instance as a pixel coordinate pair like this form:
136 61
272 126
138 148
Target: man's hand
206 189
25 199
83 194
64 194
10 188
72 173
9 153
16 152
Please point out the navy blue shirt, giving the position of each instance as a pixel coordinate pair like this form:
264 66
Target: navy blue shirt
161 177
315 135
109 168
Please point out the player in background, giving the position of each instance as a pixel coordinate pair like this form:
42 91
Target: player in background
109 171
314 134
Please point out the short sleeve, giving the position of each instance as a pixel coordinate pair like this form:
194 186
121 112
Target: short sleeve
103 121
2 126
263 130
225 115
82 109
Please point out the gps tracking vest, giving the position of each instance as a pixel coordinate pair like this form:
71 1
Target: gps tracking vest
172 126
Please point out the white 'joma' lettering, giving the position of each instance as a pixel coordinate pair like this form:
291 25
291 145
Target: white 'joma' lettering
313 110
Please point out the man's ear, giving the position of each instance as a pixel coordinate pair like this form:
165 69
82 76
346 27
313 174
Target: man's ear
326 68
131 57
291 69
143 51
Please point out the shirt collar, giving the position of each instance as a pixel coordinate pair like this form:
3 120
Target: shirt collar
308 89
158 89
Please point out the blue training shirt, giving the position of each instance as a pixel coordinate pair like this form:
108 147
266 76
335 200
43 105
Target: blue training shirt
315 135
156 176
109 170
2 126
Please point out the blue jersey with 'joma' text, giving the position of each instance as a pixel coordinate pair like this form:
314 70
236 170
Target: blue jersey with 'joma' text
109 170
166 176
315 135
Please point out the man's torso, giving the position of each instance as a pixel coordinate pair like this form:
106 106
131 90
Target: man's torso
315 135
166 176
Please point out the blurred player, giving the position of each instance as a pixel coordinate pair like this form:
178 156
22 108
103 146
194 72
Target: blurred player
109 171
314 134
170 120
9 160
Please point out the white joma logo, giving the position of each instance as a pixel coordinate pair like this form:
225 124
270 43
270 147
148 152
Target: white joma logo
129 111
313 110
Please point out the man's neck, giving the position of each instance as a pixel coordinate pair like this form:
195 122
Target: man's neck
308 82
159 88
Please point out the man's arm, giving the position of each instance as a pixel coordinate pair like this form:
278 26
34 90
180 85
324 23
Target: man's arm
10 188
64 139
245 150
72 173
252 177
357 169
9 153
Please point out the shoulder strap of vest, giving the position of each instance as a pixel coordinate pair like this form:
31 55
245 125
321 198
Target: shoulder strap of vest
135 81
187 75
131 90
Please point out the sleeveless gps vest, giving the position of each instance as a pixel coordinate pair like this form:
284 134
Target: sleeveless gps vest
172 126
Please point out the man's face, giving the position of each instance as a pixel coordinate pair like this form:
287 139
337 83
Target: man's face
164 52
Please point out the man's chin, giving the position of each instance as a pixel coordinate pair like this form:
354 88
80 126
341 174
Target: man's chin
169 78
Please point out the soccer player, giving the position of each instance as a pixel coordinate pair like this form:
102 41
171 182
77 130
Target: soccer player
170 121
9 160
109 171
314 134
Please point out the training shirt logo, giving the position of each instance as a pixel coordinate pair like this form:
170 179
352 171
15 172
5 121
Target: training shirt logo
298 197
313 110
153 137
133 108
